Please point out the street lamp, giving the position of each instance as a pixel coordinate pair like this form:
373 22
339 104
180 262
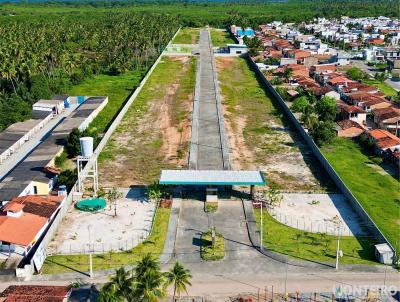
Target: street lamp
90 256
338 251
261 223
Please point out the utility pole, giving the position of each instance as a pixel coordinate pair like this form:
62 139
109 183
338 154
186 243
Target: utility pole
90 256
261 223
338 246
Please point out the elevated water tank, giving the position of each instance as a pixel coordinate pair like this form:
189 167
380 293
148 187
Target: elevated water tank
86 146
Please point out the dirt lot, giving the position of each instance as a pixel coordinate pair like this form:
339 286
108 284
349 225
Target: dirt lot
259 135
155 132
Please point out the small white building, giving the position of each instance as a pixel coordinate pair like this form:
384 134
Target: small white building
384 253
237 49
55 106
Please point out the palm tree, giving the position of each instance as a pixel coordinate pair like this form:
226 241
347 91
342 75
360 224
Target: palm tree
119 288
149 280
149 286
180 277
147 263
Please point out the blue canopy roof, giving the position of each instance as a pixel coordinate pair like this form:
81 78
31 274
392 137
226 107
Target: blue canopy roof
212 177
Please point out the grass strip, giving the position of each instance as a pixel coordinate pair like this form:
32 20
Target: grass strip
187 35
316 247
220 38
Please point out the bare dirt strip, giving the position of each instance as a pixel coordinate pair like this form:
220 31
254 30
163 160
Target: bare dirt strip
260 137
155 132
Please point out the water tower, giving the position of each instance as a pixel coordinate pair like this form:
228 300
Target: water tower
90 169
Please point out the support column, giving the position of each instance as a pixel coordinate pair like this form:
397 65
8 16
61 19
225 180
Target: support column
251 191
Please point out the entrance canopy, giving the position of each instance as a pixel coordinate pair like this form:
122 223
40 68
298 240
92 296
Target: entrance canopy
212 177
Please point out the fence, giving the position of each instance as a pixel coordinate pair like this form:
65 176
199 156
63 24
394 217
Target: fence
323 161
324 227
49 234
99 247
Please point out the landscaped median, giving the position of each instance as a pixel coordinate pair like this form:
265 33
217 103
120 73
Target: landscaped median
317 247
154 245
210 252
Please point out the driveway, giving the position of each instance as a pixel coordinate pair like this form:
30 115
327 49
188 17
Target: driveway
229 220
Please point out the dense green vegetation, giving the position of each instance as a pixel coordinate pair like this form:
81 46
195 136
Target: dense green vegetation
375 189
45 55
153 245
222 14
316 247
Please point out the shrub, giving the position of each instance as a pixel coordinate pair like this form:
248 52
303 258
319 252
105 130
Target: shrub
324 132
300 104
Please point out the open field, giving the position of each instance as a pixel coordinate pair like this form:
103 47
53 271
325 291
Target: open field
117 88
187 35
377 191
260 137
154 245
313 246
383 87
155 132
220 38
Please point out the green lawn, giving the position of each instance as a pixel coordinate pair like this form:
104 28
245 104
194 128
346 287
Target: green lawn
383 87
187 35
153 245
220 38
117 88
144 137
376 190
312 246
210 253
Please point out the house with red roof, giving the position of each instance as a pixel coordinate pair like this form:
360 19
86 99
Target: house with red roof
36 293
24 220
353 113
384 140
349 128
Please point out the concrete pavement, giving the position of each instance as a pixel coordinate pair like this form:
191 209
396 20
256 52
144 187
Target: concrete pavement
208 150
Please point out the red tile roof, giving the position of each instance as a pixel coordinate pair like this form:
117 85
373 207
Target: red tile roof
21 230
43 206
35 293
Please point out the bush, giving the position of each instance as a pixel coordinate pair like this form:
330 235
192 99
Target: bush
357 74
72 147
68 178
324 132
300 104
60 160
326 109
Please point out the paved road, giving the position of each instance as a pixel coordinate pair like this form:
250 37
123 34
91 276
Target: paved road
209 139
